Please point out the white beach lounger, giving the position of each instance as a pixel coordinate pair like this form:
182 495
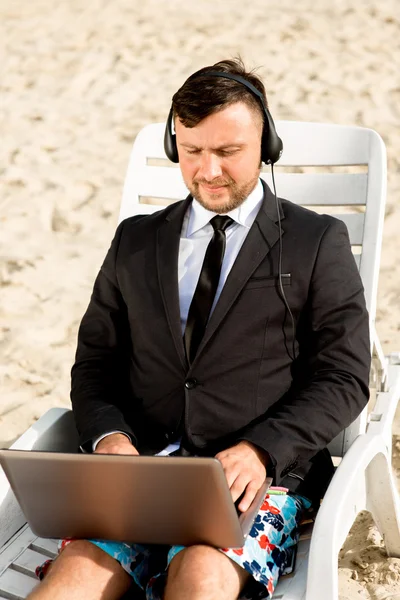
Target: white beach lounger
363 479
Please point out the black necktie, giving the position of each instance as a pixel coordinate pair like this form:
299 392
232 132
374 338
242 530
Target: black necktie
204 294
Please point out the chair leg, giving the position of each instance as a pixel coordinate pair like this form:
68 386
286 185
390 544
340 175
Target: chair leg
383 502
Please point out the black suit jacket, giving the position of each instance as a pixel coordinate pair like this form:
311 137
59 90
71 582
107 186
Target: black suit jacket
131 372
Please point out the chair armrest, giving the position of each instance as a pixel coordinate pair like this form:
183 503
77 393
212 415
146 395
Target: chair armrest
380 420
361 481
379 364
54 431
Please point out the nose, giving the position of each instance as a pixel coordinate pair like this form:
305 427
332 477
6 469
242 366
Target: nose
210 167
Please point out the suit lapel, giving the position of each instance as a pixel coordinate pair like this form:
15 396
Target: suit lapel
168 236
262 236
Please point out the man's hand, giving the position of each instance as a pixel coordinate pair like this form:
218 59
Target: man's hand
245 470
116 443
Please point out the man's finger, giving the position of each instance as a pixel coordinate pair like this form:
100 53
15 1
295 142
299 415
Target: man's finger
238 487
231 477
251 492
231 471
117 449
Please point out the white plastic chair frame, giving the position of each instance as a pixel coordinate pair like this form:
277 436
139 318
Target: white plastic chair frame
347 179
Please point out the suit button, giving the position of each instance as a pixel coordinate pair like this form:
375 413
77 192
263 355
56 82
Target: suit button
191 383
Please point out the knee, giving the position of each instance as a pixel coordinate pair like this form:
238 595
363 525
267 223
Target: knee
83 570
81 548
84 554
202 564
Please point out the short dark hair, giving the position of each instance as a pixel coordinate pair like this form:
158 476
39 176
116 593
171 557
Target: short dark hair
201 96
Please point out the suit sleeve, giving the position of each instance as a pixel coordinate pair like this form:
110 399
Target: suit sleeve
100 374
331 372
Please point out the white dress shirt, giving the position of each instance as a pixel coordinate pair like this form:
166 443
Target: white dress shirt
196 234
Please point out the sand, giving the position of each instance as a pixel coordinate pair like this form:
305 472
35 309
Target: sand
79 79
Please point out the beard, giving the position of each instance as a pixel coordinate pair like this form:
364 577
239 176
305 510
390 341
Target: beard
220 202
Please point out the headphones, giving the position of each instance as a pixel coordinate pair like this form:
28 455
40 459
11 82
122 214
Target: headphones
271 143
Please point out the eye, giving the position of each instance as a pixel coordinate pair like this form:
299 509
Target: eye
193 151
228 152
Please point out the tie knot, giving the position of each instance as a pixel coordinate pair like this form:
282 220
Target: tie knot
221 223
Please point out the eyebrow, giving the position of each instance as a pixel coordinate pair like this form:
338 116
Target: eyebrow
217 149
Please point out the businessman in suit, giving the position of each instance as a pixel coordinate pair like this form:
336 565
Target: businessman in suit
232 323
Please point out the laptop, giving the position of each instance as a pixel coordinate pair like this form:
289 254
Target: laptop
138 499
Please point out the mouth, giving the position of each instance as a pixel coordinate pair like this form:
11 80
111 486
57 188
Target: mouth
213 189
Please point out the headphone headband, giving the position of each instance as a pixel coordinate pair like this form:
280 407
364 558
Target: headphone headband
271 143
241 80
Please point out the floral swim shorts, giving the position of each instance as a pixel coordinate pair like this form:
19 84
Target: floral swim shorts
266 554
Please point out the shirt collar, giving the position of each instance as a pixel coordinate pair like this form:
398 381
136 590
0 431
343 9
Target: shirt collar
243 214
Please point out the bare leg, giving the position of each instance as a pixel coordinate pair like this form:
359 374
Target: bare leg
83 572
204 573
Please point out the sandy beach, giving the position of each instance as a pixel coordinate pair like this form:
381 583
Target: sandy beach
78 80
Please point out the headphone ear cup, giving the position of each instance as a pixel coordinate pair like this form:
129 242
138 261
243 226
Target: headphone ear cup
264 145
170 147
271 143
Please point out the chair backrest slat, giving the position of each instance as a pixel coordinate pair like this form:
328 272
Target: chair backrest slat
334 169
312 144
355 226
327 189
307 189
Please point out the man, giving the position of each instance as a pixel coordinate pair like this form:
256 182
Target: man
188 339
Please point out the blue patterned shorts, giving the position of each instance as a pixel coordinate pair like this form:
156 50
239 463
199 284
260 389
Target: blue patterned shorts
267 552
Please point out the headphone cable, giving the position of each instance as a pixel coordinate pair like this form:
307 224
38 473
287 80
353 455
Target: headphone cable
280 269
